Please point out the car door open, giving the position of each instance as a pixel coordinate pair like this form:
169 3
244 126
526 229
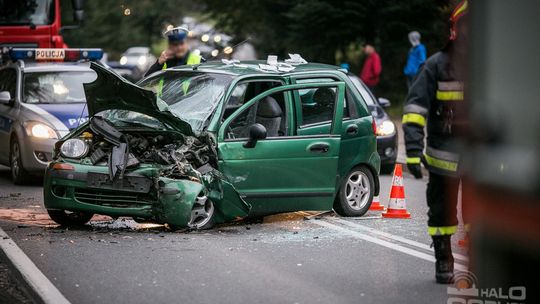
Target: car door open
273 167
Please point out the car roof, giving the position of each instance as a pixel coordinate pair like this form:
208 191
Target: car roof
29 67
252 68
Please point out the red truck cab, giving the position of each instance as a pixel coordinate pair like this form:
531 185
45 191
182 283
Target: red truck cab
34 23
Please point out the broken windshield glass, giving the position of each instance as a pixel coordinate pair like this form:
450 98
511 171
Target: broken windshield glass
190 96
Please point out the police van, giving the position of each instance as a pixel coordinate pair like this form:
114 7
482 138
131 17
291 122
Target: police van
41 100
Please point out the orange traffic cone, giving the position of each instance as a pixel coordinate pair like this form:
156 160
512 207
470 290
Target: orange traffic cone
396 206
376 204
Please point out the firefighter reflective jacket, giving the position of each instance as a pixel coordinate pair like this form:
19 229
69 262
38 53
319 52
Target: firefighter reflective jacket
435 102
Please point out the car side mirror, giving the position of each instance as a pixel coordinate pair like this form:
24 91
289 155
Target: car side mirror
256 133
5 98
385 103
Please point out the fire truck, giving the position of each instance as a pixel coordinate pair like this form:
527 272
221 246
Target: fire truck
35 23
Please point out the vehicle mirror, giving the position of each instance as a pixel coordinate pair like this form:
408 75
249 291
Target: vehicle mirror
256 132
385 103
5 98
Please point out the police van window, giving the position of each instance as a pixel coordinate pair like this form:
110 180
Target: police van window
271 112
8 81
245 91
56 87
349 107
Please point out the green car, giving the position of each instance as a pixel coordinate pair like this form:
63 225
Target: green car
198 145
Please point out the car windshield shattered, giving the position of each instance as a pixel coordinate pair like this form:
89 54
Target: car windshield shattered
190 96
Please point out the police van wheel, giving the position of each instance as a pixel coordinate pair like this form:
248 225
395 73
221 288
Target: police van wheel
355 193
18 173
69 218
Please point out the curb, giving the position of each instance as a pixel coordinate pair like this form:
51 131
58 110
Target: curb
36 283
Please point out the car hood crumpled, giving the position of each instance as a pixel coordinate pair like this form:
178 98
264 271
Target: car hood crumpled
112 91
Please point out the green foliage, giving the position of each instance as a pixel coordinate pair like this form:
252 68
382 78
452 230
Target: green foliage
107 26
333 31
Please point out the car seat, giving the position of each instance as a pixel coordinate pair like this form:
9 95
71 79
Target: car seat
269 114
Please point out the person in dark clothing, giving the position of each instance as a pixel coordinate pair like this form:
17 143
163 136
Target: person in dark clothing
436 97
177 53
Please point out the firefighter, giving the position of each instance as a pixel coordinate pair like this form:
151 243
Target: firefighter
177 53
435 102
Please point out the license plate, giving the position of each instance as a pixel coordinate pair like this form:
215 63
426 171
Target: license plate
50 54
129 183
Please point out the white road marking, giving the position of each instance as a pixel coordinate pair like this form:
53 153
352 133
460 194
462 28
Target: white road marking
48 293
387 244
457 256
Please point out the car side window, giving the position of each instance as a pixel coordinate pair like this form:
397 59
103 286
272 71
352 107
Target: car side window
271 112
244 92
349 106
317 105
8 81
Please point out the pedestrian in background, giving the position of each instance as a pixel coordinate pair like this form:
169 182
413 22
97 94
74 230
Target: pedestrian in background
417 56
371 71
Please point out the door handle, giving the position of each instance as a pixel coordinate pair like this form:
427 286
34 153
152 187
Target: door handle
352 129
319 148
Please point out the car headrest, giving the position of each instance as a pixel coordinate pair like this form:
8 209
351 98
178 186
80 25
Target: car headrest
269 108
324 96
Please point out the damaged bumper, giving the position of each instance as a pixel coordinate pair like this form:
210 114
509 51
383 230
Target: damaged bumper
142 193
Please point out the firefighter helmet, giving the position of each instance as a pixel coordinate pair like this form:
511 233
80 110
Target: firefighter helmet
460 10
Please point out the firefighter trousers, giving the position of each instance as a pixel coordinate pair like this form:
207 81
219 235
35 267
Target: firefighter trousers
442 199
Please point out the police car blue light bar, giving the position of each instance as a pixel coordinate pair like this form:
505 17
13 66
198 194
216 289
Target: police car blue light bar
55 54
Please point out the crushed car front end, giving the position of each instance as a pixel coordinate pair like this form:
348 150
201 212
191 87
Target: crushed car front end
132 159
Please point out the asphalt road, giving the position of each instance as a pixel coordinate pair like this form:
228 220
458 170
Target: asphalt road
289 258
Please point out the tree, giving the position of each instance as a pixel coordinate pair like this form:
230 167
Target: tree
115 25
327 30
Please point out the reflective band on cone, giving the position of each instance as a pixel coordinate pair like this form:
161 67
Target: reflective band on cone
376 204
396 206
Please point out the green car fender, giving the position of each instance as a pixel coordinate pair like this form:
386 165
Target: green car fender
178 196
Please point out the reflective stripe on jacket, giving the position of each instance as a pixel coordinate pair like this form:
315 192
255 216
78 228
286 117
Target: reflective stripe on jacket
434 103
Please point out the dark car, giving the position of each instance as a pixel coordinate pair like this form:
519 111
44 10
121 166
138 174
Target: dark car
386 129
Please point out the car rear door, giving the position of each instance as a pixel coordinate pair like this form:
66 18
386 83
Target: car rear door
285 171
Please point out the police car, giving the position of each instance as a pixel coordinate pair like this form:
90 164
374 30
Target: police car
41 99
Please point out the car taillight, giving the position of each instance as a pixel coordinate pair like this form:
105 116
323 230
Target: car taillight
374 126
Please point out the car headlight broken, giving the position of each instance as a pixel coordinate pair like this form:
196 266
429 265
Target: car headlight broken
74 148
386 128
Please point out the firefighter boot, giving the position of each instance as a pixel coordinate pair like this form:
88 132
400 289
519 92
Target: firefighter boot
444 265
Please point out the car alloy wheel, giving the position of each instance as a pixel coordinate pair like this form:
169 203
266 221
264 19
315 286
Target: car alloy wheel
357 190
15 160
355 193
202 213
18 173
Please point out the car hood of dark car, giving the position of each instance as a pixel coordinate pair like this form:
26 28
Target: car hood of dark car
111 91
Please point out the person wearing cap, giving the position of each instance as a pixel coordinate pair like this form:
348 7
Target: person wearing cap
177 53
417 56
435 102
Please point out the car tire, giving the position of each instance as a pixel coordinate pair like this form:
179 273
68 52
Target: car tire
202 213
355 193
68 218
19 175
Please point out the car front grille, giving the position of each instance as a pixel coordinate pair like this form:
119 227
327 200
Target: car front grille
112 198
